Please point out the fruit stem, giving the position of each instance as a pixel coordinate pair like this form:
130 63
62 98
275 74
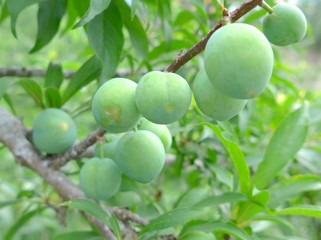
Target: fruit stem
266 6
226 17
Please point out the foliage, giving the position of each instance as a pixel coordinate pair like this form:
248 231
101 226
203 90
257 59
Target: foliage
255 176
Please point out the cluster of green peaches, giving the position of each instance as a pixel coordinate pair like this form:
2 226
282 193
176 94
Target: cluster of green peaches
238 64
238 61
135 117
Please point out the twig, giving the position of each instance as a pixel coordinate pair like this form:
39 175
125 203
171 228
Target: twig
126 215
77 150
182 59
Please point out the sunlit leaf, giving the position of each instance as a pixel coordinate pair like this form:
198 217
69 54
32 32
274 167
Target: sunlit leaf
284 144
96 7
217 227
229 197
192 197
250 208
173 218
307 211
238 159
294 186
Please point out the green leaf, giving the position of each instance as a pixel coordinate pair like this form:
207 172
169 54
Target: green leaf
89 71
20 223
255 205
114 225
307 211
106 38
237 157
254 15
192 197
53 98
229 197
135 29
89 207
173 218
274 219
15 7
284 144
164 8
33 89
9 202
95 210
9 101
75 8
217 227
54 75
134 5
26 194
166 47
49 16
77 235
292 187
4 13
5 84
96 7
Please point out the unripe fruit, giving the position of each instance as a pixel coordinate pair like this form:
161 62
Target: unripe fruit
286 25
114 105
100 178
212 102
107 149
159 130
54 131
163 97
140 155
239 60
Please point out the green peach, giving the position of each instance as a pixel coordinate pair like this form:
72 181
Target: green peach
212 102
114 107
100 178
163 97
54 131
159 130
286 25
140 155
239 60
107 149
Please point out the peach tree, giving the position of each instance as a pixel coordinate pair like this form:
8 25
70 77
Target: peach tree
138 119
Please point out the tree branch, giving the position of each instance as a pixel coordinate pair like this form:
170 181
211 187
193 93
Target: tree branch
182 59
24 72
77 150
13 135
126 215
